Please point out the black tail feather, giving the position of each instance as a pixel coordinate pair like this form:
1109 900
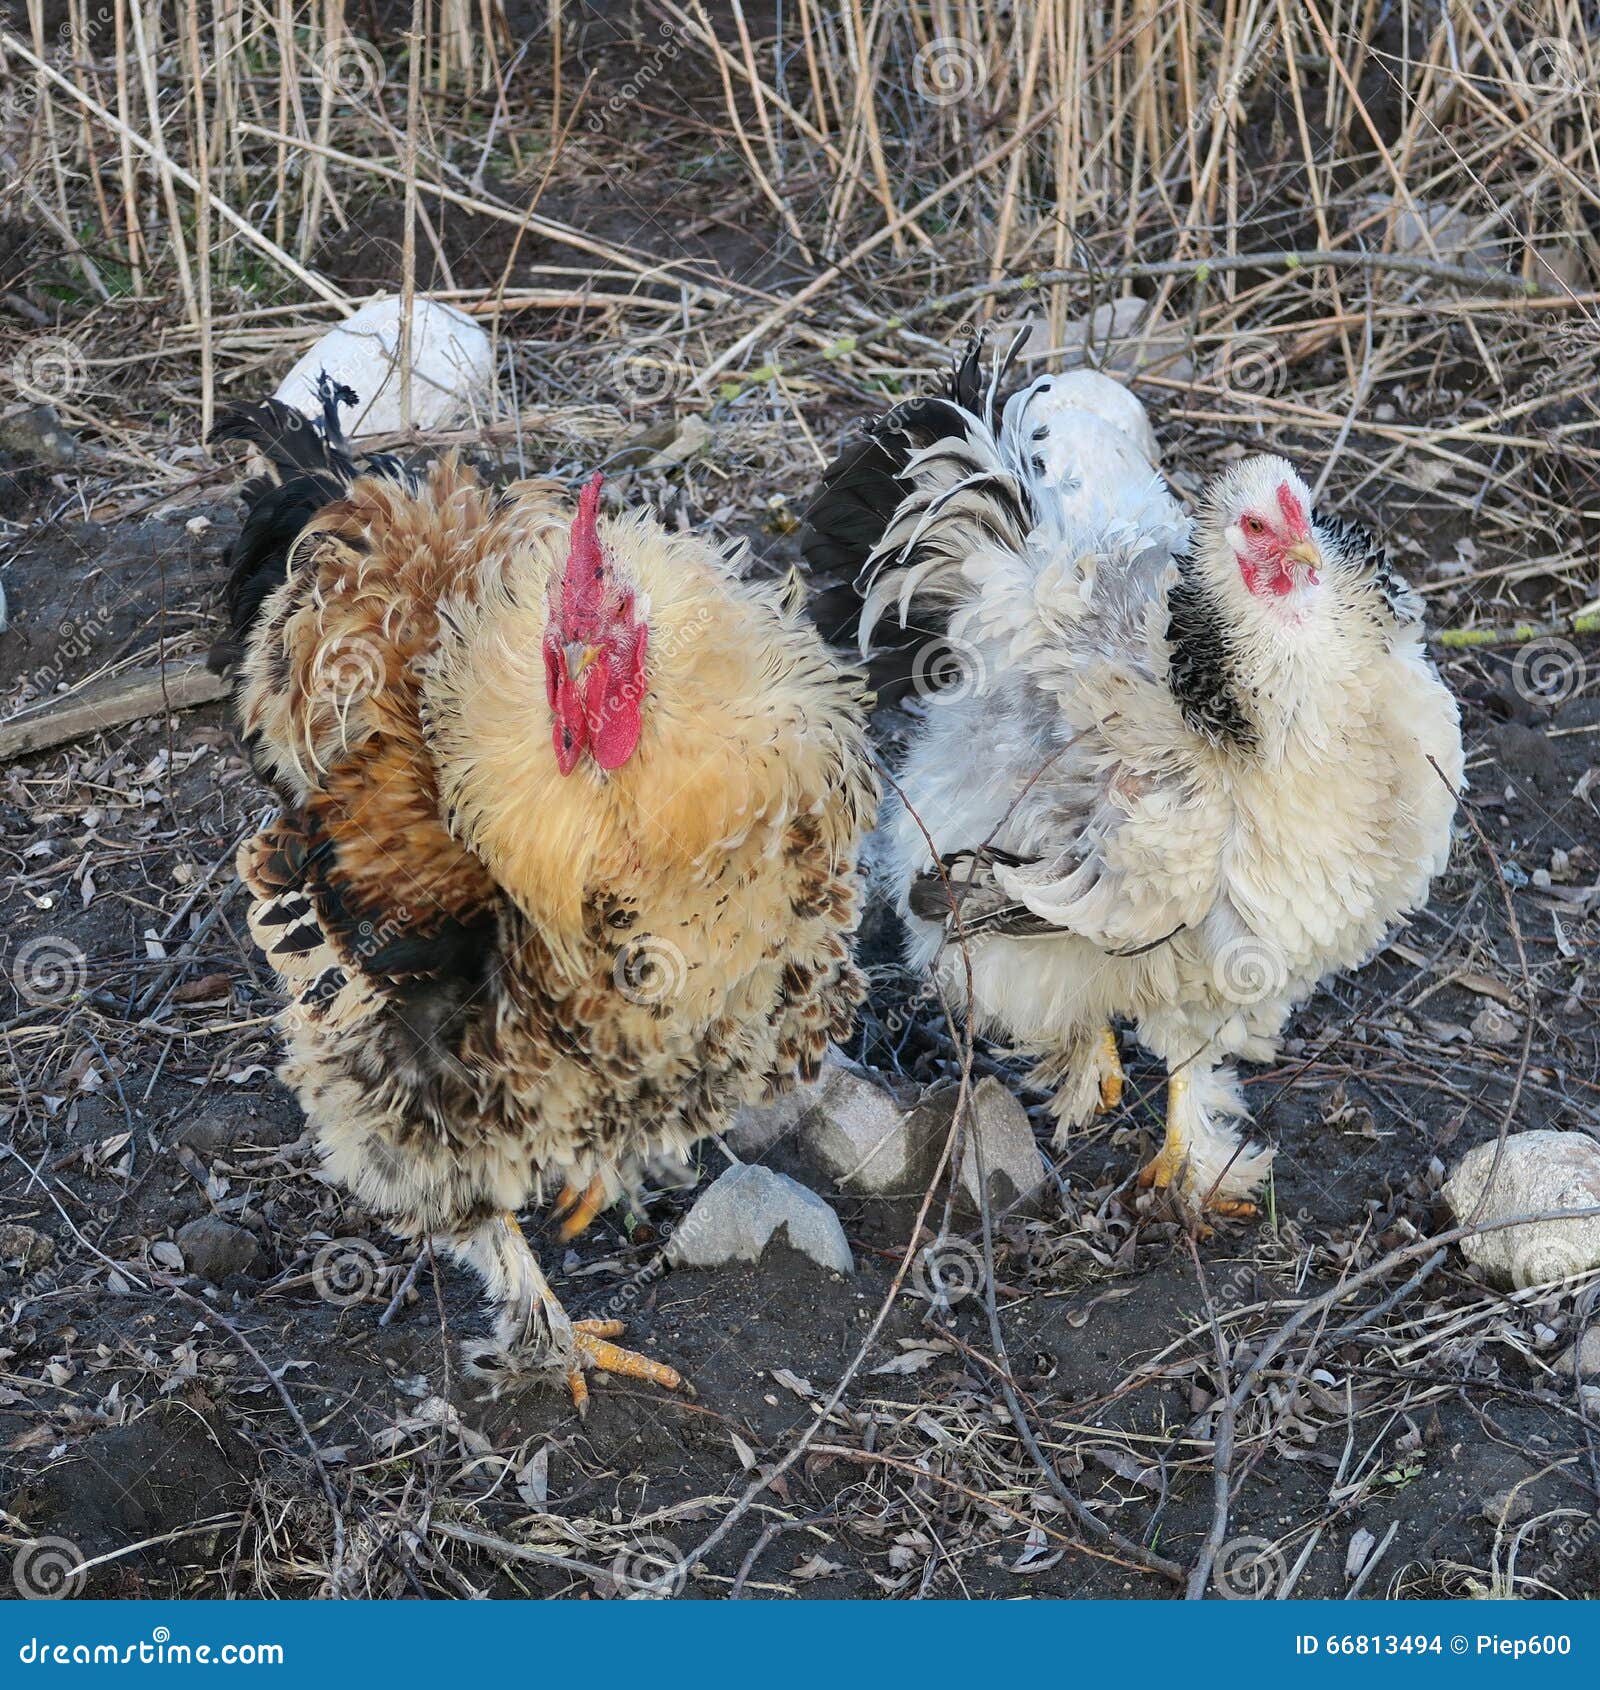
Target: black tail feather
860 491
313 466
296 444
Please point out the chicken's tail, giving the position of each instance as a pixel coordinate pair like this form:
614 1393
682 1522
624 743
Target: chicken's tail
312 465
861 529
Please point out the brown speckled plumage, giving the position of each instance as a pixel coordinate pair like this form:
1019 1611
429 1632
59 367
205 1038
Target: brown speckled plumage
500 980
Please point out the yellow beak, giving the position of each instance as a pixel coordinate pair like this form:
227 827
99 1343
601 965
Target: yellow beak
1305 551
579 657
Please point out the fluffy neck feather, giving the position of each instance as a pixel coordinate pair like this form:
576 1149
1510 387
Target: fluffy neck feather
1253 676
708 770
1202 668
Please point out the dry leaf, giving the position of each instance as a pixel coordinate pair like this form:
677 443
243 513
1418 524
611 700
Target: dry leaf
913 1361
533 1482
816 1567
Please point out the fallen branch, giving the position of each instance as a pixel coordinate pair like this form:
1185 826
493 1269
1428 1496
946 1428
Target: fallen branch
1189 269
147 692
504 1547
1455 639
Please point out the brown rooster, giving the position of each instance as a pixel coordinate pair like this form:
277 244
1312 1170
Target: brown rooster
566 865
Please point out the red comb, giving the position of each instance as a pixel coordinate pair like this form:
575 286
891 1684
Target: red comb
583 584
1293 511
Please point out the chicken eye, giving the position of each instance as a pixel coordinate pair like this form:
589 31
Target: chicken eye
1254 525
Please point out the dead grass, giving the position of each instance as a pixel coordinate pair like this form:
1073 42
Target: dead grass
929 167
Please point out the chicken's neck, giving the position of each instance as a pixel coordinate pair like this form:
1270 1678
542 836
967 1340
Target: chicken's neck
1255 687
1201 671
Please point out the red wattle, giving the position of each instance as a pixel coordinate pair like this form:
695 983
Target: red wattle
613 702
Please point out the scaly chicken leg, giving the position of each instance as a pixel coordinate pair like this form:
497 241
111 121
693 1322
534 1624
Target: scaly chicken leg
1173 1163
1085 1073
532 1332
575 1209
1112 1078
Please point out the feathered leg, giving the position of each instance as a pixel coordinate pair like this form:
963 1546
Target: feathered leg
1203 1160
532 1332
1087 1078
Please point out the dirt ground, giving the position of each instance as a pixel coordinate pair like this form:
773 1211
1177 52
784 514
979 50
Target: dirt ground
297 1424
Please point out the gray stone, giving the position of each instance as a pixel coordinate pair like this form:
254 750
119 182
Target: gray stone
759 1126
1427 228
26 1246
1558 268
210 1130
1540 1172
861 1133
36 435
1494 1024
744 1210
216 1249
861 1107
1124 337
877 1142
1011 1159
1587 1357
691 437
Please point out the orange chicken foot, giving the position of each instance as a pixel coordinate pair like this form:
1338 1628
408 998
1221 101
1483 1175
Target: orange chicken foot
575 1209
1112 1078
1168 1169
533 1334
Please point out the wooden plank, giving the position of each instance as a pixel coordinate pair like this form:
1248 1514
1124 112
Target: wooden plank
184 684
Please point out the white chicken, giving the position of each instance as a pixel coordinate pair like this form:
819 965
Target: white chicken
1187 774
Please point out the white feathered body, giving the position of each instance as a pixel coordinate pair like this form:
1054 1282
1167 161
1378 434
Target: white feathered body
1277 870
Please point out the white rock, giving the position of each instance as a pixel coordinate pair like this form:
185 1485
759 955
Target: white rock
452 368
1495 1025
1540 1172
1124 337
741 1212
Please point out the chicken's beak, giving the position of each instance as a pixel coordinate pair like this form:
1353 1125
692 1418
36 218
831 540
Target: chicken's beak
579 656
1306 552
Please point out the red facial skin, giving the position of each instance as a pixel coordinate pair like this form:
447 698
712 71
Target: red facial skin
594 652
1265 563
